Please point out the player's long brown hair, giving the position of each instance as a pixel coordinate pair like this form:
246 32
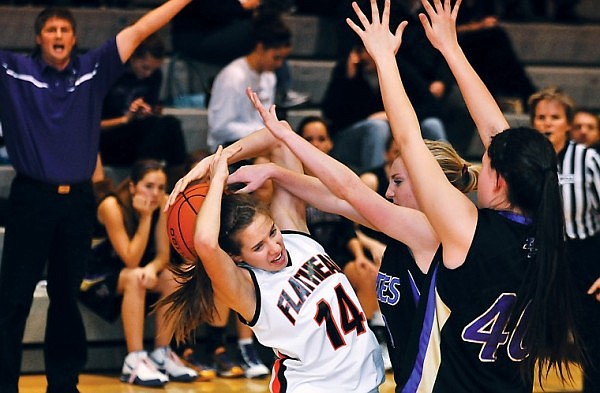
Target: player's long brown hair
193 302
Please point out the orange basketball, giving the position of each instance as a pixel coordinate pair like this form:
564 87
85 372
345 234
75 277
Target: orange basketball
181 219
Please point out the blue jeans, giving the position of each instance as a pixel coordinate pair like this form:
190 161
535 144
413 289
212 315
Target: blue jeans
362 145
433 129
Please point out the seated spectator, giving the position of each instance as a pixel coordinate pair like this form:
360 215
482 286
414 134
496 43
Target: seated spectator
132 124
377 179
500 69
353 105
230 113
214 31
586 128
128 273
219 31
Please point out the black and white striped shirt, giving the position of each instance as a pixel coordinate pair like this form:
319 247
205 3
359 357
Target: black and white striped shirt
579 175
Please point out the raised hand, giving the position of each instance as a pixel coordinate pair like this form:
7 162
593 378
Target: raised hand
440 23
197 172
376 35
219 169
143 204
200 171
278 128
253 176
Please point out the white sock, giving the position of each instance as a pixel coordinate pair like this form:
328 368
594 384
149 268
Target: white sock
377 319
245 341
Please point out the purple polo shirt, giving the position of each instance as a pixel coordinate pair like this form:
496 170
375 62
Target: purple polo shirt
51 119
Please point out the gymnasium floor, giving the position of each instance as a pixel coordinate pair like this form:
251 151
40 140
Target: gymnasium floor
102 383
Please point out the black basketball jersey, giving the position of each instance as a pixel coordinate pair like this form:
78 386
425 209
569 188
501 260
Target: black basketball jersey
399 286
466 343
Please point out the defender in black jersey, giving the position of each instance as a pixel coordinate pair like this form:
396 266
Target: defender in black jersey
502 277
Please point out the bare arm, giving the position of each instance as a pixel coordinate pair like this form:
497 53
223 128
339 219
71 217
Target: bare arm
440 28
308 188
232 285
130 37
259 143
453 217
138 108
406 225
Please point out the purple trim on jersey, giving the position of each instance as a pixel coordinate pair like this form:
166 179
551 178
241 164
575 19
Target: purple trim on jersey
51 118
417 373
416 294
515 217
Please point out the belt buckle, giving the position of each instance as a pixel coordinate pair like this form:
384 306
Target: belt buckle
63 189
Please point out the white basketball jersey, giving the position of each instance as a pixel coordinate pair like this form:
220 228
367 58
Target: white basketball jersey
309 314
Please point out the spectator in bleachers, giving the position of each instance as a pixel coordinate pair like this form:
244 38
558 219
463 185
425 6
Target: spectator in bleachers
133 126
127 273
214 31
220 31
489 50
377 179
586 128
231 115
353 105
50 109
551 114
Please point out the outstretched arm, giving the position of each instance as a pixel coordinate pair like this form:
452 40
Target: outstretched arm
452 216
406 225
132 36
440 28
308 188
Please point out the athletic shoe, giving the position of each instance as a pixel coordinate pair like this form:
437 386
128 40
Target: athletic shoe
253 366
387 362
225 367
169 363
138 369
205 373
380 334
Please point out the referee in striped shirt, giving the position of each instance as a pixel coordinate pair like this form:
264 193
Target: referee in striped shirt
579 174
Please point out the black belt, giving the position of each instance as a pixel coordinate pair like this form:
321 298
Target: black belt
62 188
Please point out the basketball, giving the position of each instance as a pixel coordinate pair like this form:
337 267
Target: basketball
181 219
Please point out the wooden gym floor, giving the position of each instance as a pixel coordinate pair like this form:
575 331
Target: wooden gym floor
103 383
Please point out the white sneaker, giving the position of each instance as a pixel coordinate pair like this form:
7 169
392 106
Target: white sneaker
139 370
380 334
387 362
169 363
252 365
